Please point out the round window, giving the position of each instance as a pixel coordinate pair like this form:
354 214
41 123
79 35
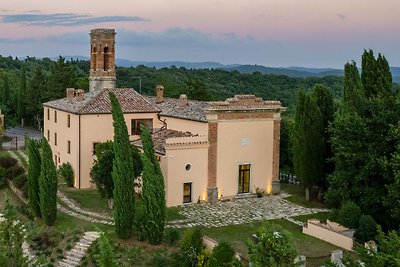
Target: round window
188 167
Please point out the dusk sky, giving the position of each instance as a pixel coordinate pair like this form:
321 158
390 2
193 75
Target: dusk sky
277 33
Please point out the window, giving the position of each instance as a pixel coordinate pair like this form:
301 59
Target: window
48 135
188 167
68 120
69 147
135 125
94 148
187 193
55 115
48 114
55 159
244 178
55 138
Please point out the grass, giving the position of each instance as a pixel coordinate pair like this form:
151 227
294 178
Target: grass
88 199
298 196
22 159
238 235
12 198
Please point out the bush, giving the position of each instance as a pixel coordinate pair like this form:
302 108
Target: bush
366 230
8 162
172 236
222 255
14 171
138 224
160 260
66 172
24 190
334 215
20 180
191 245
349 215
27 211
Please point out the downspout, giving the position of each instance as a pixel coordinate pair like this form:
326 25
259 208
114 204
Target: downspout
79 154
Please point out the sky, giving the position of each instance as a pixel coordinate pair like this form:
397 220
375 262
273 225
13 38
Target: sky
276 33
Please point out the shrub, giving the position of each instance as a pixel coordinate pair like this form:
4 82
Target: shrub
222 255
14 171
334 215
27 211
191 245
172 236
8 162
138 224
66 172
366 230
260 192
160 260
274 247
349 215
20 180
24 190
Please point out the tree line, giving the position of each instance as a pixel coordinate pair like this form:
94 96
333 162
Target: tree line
26 84
350 149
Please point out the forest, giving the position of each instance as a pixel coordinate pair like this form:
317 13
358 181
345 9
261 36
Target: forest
26 83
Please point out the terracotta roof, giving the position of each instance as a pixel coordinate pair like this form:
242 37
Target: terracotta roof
98 102
245 103
160 136
171 107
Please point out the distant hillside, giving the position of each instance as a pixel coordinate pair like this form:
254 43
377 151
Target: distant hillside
295 72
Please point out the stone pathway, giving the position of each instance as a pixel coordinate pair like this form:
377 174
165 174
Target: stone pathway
240 211
75 255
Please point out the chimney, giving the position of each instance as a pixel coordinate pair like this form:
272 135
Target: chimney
79 95
183 100
159 94
70 94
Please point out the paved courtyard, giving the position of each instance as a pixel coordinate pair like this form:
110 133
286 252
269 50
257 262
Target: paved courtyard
240 211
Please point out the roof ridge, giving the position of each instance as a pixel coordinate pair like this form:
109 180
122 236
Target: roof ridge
99 92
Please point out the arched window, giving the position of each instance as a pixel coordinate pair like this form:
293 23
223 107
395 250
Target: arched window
94 58
106 59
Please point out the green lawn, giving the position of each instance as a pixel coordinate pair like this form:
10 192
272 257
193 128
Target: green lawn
13 199
298 196
88 199
238 235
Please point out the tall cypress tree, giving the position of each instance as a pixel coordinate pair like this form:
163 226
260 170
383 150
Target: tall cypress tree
324 100
33 176
6 91
122 173
20 105
353 90
308 143
153 191
48 185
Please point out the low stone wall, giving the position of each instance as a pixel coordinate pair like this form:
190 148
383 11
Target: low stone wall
331 233
17 192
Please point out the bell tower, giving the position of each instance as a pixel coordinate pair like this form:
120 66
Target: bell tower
102 59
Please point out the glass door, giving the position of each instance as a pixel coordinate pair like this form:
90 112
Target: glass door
244 178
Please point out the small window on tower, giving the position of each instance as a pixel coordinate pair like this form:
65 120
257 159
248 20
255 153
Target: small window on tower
106 59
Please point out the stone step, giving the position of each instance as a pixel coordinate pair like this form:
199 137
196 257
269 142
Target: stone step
64 264
73 263
75 254
72 258
76 251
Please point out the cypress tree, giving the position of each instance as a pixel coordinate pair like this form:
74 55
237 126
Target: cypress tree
106 256
353 90
20 95
368 74
6 91
122 173
308 143
48 185
153 191
33 176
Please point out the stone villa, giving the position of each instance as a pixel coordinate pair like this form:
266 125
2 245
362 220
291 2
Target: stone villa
207 150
